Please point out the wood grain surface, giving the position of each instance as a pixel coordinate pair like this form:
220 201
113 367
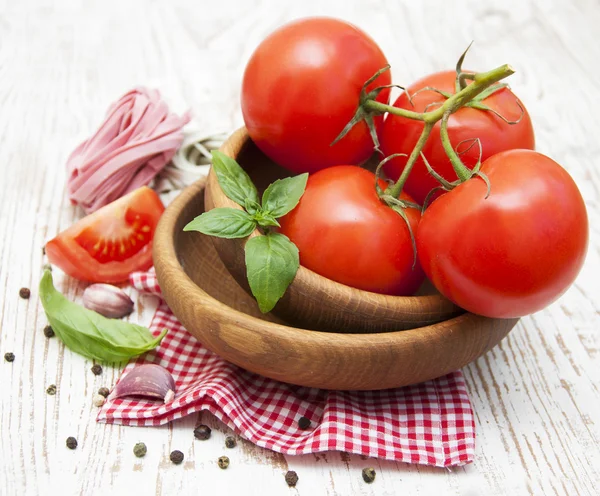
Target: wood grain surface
536 396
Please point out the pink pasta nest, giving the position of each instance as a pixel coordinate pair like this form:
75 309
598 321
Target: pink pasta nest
135 142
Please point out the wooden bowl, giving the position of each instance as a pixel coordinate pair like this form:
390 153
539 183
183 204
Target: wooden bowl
311 300
224 318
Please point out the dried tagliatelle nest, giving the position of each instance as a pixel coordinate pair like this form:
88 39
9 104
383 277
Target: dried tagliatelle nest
136 140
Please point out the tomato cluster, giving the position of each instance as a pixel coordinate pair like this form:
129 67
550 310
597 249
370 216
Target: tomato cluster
505 240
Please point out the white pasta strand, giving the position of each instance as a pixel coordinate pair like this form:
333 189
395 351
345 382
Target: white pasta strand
191 162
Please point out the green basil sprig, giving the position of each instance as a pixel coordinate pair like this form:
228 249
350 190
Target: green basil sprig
89 333
271 260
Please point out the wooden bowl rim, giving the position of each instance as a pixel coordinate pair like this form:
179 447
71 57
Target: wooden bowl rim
170 272
305 276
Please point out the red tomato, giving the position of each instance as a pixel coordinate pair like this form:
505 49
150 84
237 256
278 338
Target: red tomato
515 252
111 243
399 134
345 233
302 86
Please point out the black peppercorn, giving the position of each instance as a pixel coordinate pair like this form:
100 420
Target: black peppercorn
291 478
9 357
97 369
51 389
230 442
202 432
223 462
140 450
71 442
176 457
48 331
104 391
303 423
368 474
25 293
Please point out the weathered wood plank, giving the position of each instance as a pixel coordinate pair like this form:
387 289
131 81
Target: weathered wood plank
535 396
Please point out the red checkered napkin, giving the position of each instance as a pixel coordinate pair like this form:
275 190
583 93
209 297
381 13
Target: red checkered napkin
430 423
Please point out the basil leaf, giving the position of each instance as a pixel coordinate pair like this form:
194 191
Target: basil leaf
224 223
234 181
283 195
265 220
252 207
271 264
89 333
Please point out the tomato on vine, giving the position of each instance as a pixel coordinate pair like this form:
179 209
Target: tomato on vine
495 134
357 230
514 252
301 87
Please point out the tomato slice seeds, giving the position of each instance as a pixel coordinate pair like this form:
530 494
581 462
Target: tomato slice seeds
109 244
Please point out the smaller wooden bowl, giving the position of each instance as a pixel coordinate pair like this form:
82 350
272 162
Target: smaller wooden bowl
311 300
225 319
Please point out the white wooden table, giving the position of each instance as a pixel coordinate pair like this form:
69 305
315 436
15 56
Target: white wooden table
536 396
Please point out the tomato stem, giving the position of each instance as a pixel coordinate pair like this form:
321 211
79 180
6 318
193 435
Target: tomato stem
396 188
462 171
481 81
381 108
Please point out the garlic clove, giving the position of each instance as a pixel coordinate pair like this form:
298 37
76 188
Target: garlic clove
107 300
149 381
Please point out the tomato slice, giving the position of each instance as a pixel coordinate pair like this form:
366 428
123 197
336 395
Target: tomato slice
111 243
